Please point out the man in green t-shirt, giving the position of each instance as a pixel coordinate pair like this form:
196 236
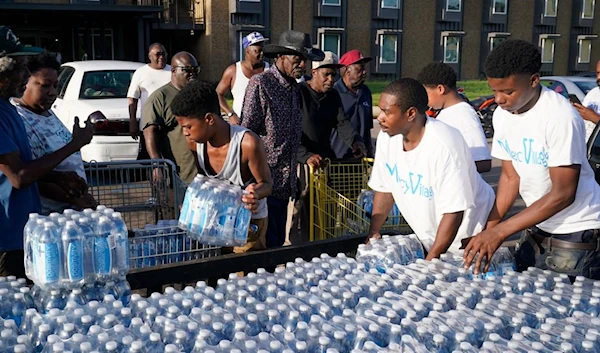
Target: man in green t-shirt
163 135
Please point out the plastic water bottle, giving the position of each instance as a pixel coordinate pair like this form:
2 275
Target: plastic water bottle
72 245
104 245
88 249
30 226
122 245
226 216
47 257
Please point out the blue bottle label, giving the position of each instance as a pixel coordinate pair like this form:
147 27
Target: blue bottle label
49 264
102 256
75 261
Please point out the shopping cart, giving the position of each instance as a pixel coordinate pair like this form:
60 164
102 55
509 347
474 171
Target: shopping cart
334 211
128 187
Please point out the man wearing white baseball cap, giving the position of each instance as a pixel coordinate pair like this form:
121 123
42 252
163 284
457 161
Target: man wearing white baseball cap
236 76
322 113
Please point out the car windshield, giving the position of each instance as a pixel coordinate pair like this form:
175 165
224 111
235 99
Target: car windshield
105 84
586 86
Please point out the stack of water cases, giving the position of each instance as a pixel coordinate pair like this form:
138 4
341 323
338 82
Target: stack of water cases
76 251
365 202
328 304
164 243
213 213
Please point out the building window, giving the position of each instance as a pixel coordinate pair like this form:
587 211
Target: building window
332 2
588 9
453 5
389 4
451 50
331 42
106 52
550 8
495 42
548 50
500 7
388 49
585 51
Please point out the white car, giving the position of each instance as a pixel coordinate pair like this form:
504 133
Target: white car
575 86
87 86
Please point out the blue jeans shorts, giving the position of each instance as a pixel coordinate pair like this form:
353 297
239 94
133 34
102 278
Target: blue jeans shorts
574 262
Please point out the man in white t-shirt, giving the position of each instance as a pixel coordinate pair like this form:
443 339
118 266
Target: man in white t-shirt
144 82
425 166
589 109
539 137
439 80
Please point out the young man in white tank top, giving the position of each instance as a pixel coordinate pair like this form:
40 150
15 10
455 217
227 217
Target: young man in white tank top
226 152
236 76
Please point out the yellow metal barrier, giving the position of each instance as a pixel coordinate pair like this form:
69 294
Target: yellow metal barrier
334 191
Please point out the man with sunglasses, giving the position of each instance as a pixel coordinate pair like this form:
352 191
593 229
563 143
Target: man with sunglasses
357 101
164 137
144 82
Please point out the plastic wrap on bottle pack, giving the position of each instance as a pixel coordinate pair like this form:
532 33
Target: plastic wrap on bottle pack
213 213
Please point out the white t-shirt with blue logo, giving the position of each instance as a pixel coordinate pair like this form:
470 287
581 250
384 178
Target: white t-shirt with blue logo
551 134
435 178
463 117
592 101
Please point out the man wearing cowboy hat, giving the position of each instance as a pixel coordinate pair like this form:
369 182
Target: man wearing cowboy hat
322 112
357 100
236 76
272 110
19 173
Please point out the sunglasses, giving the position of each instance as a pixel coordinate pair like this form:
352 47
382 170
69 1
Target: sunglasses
190 69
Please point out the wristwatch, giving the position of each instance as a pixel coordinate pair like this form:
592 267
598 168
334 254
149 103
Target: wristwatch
230 114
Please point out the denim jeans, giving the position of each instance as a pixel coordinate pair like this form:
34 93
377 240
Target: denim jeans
571 262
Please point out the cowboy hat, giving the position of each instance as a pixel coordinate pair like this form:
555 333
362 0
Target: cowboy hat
294 43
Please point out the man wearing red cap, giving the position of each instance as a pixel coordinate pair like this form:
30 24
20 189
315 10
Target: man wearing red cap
357 102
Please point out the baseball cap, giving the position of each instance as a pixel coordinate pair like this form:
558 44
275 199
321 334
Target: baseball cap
331 60
353 57
252 39
10 45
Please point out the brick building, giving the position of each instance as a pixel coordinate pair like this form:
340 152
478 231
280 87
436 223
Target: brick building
402 35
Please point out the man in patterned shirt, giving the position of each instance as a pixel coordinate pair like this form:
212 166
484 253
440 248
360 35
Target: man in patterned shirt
272 110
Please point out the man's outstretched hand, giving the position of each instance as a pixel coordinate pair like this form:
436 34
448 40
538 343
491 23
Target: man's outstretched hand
483 245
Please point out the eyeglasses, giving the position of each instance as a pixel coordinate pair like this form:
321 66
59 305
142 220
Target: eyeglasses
190 69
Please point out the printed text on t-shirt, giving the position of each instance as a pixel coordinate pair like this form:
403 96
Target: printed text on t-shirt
411 184
528 154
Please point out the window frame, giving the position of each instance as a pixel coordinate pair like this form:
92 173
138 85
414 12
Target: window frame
322 41
381 36
492 39
68 72
494 7
583 2
445 46
579 47
455 11
383 6
553 50
546 8
324 3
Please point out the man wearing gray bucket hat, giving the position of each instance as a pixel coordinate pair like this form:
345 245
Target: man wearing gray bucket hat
272 110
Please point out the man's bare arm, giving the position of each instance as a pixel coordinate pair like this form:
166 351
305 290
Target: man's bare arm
134 128
223 87
445 234
508 190
253 147
382 205
151 133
